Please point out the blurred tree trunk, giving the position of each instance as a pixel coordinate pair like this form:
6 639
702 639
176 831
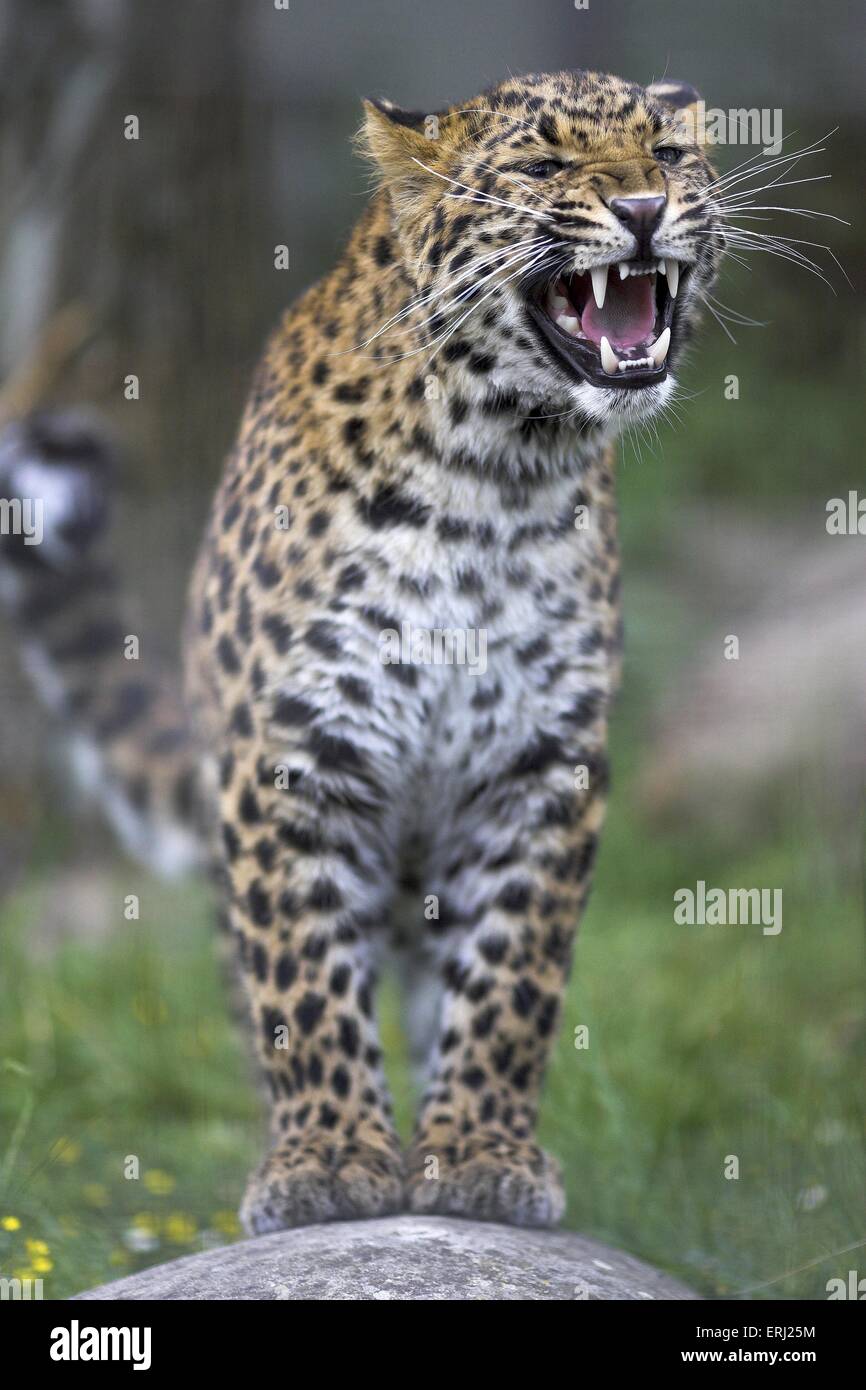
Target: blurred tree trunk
154 238
151 234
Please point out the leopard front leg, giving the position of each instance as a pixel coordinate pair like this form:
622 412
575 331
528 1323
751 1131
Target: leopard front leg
516 894
307 874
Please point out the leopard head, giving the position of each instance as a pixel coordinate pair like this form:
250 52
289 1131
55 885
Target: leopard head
559 229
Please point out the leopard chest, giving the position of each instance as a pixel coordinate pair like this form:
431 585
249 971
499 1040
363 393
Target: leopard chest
491 631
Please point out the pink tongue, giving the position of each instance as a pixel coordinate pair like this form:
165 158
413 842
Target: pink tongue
629 311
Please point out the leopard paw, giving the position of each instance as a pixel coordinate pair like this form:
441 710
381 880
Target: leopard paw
490 1179
308 1183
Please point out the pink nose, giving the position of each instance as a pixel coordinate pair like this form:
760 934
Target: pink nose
640 216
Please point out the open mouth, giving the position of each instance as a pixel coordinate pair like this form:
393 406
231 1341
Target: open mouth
612 324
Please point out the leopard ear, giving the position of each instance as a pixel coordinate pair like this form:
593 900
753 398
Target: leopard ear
679 96
401 142
682 99
399 116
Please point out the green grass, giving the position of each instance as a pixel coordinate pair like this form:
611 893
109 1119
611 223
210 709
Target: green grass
704 1042
707 1042
116 1050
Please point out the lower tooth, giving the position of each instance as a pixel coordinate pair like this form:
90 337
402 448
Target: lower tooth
609 359
659 349
568 322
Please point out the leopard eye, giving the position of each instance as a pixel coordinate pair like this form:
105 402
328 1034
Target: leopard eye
542 168
668 154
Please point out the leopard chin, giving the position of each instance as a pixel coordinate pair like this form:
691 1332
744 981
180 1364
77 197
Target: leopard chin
617 408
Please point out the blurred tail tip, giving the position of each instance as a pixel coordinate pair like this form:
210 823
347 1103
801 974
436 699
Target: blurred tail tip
56 470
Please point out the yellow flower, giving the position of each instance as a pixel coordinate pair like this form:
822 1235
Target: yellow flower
42 1265
95 1194
179 1228
226 1222
158 1182
10 1223
67 1150
149 1009
146 1221
198 1042
22 1273
36 1247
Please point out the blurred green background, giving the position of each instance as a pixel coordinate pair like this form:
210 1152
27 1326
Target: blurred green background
704 1042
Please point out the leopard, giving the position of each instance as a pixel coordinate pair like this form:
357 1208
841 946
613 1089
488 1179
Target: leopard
428 452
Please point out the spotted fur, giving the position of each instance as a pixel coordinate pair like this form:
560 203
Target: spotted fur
414 451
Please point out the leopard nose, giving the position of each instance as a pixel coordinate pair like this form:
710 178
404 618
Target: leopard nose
640 216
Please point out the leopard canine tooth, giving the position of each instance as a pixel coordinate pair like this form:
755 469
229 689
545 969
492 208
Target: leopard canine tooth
609 359
599 284
672 270
659 350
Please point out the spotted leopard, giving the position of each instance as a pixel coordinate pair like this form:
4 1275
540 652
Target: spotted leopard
427 449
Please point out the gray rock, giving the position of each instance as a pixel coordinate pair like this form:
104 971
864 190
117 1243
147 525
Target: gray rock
410 1258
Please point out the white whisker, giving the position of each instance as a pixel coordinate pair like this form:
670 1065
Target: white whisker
478 196
521 270
468 271
529 260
